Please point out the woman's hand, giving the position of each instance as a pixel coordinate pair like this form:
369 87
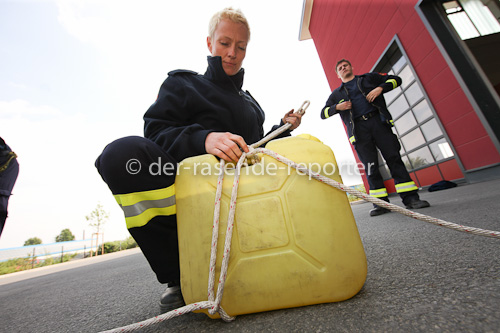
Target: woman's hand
227 146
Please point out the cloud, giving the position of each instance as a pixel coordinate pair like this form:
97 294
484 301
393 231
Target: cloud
110 24
17 85
81 19
21 108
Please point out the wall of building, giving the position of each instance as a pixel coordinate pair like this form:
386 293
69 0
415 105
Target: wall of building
361 31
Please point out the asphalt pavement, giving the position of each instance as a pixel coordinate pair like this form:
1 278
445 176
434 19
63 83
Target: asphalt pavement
421 278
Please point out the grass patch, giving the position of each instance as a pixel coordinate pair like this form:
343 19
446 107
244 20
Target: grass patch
22 264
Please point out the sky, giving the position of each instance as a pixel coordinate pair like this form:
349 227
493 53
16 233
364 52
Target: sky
78 74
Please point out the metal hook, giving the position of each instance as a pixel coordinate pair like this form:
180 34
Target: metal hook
303 107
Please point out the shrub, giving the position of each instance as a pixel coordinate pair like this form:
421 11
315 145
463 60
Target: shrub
115 246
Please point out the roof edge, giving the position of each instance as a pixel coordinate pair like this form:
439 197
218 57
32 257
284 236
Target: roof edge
305 19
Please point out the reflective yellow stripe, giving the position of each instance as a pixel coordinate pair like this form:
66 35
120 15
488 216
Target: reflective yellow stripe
12 156
393 82
352 139
406 187
392 122
380 193
140 207
326 112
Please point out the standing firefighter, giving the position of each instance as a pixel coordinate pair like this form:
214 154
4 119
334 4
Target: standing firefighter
362 107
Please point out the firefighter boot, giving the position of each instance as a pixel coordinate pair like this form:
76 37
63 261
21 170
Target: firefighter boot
416 204
172 297
377 210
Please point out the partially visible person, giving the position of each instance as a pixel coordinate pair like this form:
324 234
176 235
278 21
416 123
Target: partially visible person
9 170
193 115
360 102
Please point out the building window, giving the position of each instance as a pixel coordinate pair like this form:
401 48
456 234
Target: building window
422 140
471 18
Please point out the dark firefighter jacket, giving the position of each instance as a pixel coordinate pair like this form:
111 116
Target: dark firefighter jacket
365 83
190 106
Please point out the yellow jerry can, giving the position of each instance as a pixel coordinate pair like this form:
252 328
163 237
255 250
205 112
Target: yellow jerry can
295 240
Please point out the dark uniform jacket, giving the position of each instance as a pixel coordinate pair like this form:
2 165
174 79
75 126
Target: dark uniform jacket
365 83
190 106
9 169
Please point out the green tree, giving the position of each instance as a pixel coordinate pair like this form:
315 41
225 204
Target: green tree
97 218
33 241
65 235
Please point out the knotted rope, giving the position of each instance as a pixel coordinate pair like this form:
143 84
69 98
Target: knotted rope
213 305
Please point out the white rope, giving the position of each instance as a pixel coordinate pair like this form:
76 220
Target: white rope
168 315
215 234
212 305
382 203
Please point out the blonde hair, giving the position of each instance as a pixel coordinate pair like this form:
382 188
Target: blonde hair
229 13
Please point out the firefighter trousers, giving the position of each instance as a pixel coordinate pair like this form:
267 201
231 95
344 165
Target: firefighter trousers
370 135
141 176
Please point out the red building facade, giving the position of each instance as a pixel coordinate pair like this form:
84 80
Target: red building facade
447 112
